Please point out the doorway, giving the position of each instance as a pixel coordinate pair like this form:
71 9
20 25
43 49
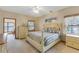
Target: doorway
9 26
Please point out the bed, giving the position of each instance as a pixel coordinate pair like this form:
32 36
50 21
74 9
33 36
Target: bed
43 40
48 37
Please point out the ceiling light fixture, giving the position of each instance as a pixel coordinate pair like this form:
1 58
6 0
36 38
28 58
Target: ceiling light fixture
36 9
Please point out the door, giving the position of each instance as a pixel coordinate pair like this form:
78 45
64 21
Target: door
9 25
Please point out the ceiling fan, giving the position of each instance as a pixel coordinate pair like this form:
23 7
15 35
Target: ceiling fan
38 9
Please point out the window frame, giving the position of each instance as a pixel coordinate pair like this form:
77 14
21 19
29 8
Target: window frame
72 25
31 25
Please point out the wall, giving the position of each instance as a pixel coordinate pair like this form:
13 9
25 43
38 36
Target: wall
67 12
20 19
37 23
60 17
53 14
70 11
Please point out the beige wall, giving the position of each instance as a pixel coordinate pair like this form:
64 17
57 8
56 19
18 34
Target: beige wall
66 12
37 23
70 11
53 14
20 19
60 17
60 14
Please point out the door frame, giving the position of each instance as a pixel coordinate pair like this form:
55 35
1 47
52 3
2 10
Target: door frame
12 19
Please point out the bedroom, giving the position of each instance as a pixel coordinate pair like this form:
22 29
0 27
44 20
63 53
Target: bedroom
45 21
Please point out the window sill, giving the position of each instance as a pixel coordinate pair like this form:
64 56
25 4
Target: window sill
72 35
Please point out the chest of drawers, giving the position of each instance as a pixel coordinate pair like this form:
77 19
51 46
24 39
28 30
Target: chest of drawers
72 41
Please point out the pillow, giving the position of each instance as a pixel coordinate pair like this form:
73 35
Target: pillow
51 30
48 30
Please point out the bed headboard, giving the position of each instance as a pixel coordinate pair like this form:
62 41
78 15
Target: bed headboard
54 26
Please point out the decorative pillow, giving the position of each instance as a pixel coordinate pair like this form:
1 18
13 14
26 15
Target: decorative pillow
51 30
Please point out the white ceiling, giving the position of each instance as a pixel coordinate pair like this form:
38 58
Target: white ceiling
28 10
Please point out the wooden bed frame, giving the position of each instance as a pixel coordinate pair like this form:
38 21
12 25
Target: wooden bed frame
41 46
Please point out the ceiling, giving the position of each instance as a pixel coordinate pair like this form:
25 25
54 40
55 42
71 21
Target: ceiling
28 10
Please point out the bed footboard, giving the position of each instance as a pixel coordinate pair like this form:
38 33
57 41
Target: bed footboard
35 44
50 45
39 47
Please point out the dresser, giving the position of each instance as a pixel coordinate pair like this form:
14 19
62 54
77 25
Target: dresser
72 41
21 32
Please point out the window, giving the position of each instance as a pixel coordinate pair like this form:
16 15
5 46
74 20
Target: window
31 25
72 25
9 27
